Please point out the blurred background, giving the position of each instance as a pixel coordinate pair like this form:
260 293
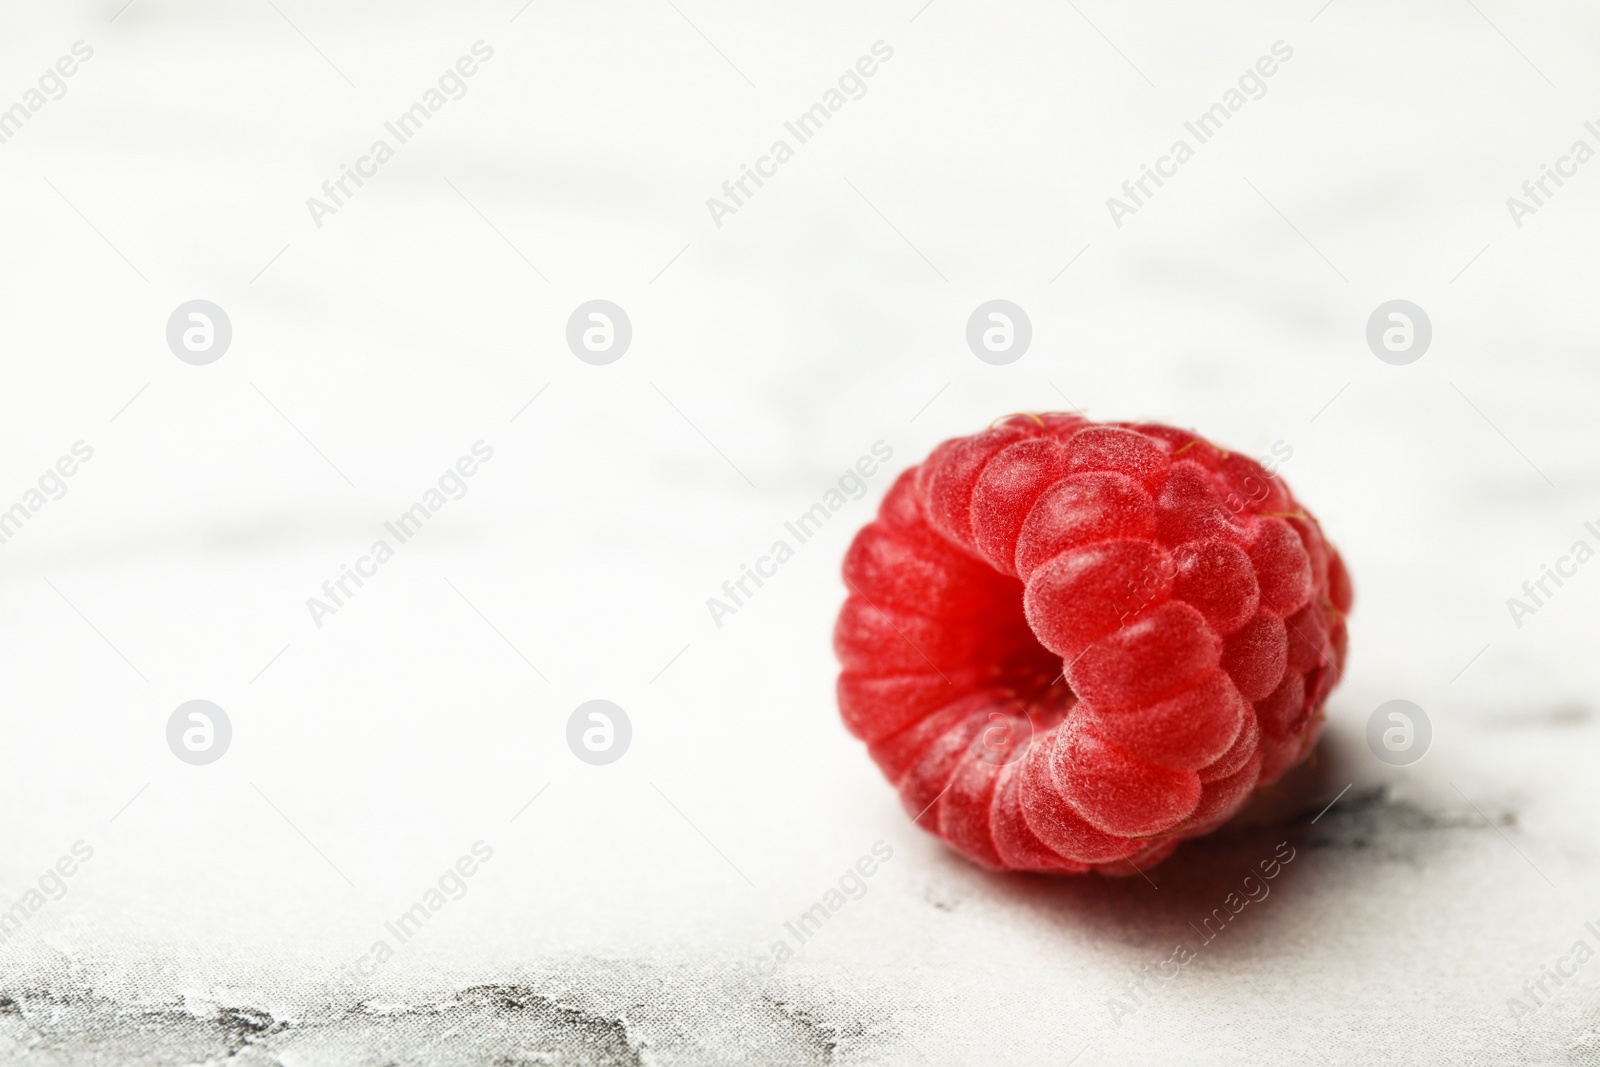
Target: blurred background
629 910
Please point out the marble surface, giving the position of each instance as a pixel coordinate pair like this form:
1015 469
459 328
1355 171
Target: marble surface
630 913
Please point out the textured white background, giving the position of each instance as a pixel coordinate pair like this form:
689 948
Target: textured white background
825 315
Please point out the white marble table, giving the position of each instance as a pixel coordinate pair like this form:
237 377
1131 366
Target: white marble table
627 913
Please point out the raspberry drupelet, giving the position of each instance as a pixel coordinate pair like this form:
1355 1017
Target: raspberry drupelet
1069 645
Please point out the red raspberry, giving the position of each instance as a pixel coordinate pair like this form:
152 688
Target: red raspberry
1070 645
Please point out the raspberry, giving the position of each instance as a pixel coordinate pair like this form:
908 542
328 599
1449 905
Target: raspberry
1070 645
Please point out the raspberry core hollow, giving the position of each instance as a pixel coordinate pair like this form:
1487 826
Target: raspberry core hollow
1069 645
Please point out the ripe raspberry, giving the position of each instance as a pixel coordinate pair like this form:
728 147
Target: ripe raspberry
1070 645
